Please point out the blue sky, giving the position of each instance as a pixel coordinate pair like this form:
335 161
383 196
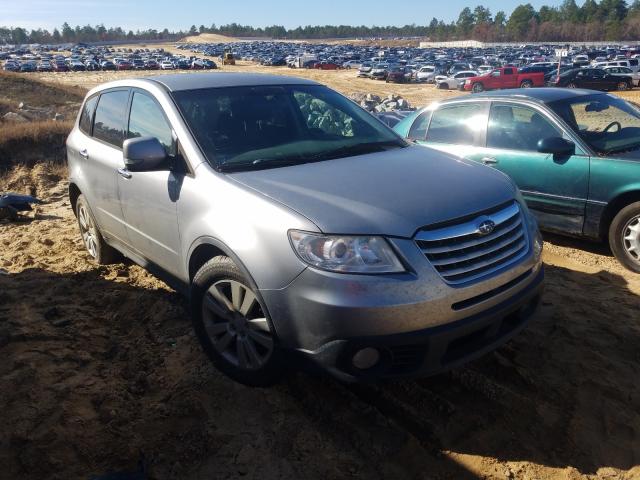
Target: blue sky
181 14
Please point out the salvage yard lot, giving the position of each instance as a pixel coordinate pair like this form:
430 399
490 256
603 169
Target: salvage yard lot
344 81
100 367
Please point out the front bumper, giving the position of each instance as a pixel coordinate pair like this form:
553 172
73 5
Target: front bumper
432 350
325 316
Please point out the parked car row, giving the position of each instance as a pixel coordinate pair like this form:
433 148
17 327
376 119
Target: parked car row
103 58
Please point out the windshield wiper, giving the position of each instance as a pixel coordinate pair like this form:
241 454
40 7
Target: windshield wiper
260 163
357 149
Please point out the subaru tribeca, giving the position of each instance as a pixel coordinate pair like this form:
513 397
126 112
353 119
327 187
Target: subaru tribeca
302 229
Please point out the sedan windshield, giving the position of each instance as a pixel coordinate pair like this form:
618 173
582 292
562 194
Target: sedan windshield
607 123
272 126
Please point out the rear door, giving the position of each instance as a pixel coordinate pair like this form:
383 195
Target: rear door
555 188
455 128
149 199
102 156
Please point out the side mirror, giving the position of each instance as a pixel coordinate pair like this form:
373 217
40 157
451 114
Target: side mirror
143 154
556 146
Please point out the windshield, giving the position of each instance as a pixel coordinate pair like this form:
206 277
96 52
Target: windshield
270 126
607 123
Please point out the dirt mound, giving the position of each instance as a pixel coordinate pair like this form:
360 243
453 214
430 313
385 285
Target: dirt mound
209 38
29 143
21 88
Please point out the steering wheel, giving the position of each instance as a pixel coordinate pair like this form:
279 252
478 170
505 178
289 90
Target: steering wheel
613 124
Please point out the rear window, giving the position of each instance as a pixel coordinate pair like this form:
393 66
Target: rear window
108 124
87 115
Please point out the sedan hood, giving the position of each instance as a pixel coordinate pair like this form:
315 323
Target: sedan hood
390 193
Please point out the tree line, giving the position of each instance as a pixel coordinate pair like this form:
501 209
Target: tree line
607 20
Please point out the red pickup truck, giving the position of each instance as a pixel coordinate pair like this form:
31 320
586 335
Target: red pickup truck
507 77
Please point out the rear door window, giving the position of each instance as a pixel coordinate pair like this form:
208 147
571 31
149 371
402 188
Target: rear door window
109 121
418 130
87 114
457 124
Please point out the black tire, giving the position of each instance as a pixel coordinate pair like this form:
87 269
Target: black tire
477 88
571 85
101 252
526 84
622 86
219 270
628 217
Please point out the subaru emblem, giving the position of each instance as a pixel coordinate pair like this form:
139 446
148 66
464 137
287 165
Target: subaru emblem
486 227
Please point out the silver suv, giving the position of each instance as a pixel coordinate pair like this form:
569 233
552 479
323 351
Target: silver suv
303 230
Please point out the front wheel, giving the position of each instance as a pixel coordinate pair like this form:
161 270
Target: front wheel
571 85
477 88
232 326
622 86
624 237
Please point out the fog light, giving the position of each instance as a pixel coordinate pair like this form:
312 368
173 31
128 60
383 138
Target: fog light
366 358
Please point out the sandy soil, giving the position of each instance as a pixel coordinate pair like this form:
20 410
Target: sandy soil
344 81
100 369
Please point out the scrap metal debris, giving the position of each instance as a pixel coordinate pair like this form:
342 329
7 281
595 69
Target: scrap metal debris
12 204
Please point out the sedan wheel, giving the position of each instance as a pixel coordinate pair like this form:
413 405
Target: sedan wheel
624 237
631 238
236 325
623 86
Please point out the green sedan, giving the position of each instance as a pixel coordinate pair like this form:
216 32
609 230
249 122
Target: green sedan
574 154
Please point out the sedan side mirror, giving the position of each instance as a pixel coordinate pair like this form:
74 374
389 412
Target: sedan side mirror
556 146
143 154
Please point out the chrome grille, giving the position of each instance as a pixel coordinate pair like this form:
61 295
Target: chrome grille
461 253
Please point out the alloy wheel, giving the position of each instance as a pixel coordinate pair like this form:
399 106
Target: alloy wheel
631 238
623 86
88 231
236 324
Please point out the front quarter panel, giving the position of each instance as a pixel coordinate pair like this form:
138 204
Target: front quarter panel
251 226
612 177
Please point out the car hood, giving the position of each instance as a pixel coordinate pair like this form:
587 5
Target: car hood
391 193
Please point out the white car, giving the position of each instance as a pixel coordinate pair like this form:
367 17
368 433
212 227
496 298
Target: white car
352 64
482 69
448 82
624 71
166 65
426 74
631 63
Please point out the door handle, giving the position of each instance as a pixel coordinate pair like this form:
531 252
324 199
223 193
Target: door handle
489 161
124 173
84 153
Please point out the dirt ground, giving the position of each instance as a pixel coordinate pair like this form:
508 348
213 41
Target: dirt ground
100 369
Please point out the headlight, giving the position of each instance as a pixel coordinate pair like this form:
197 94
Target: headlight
536 237
345 254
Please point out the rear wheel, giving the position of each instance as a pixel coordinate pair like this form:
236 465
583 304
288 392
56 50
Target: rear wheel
624 237
526 84
571 85
97 248
623 86
231 324
477 88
